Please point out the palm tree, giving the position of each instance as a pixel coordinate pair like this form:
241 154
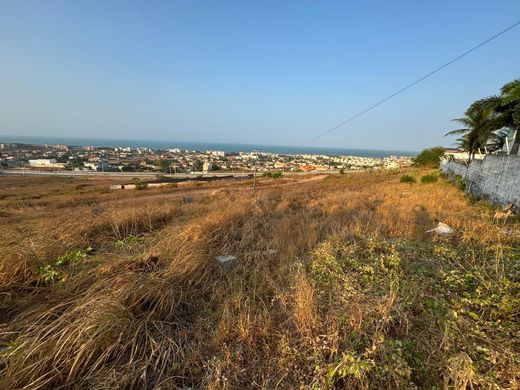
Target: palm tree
510 109
478 125
469 142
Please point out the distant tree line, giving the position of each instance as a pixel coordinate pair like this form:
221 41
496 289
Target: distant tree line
489 121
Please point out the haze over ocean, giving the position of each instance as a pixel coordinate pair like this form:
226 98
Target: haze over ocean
202 146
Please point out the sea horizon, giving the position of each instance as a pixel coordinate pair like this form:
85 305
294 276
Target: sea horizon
203 146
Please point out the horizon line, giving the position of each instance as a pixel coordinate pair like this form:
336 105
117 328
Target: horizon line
206 142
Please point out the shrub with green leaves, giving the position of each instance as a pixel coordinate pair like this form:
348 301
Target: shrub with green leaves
430 158
429 179
408 179
350 365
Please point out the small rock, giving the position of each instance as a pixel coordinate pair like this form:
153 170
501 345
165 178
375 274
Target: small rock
270 252
187 199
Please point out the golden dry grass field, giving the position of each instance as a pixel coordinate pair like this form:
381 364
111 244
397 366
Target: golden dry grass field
335 285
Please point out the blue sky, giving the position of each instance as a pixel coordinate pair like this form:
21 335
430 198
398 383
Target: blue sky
264 72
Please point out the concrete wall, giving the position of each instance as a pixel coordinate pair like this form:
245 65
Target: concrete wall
496 178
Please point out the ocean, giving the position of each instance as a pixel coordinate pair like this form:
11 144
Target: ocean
202 146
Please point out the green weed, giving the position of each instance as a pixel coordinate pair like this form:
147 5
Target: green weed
54 272
350 365
129 242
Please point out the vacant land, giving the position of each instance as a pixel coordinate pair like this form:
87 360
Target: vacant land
335 285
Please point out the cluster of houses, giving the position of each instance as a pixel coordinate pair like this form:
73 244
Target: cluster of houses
501 142
175 160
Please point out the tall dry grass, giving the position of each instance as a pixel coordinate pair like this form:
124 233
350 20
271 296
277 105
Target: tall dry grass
355 296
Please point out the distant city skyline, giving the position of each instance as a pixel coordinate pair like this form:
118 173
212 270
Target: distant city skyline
202 146
269 73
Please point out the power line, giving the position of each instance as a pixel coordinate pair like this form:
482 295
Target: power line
412 84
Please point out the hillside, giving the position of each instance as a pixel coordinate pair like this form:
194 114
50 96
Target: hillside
335 285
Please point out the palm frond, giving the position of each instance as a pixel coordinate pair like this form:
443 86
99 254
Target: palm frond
511 92
464 121
455 132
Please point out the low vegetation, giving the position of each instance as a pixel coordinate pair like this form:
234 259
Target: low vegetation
273 175
141 186
54 272
408 179
429 158
431 178
335 285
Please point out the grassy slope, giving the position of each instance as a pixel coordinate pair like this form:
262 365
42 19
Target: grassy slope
357 296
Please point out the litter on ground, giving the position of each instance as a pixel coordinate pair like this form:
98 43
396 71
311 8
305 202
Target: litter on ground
225 260
441 228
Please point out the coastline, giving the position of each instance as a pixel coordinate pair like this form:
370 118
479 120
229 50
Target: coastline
203 146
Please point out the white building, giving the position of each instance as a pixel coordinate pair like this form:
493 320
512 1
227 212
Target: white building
457 154
391 164
45 163
207 166
97 165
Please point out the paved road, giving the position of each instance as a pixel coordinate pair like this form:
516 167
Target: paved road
145 175
196 192
148 175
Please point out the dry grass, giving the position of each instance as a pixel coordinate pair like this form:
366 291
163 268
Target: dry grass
356 295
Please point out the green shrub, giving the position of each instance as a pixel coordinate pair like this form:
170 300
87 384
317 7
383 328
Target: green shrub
273 175
408 179
429 157
429 179
459 182
141 186
350 365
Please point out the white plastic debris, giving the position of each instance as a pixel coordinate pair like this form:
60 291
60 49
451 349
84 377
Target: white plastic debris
225 260
270 252
441 228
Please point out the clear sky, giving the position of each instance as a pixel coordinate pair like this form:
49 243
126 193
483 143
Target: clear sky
263 72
